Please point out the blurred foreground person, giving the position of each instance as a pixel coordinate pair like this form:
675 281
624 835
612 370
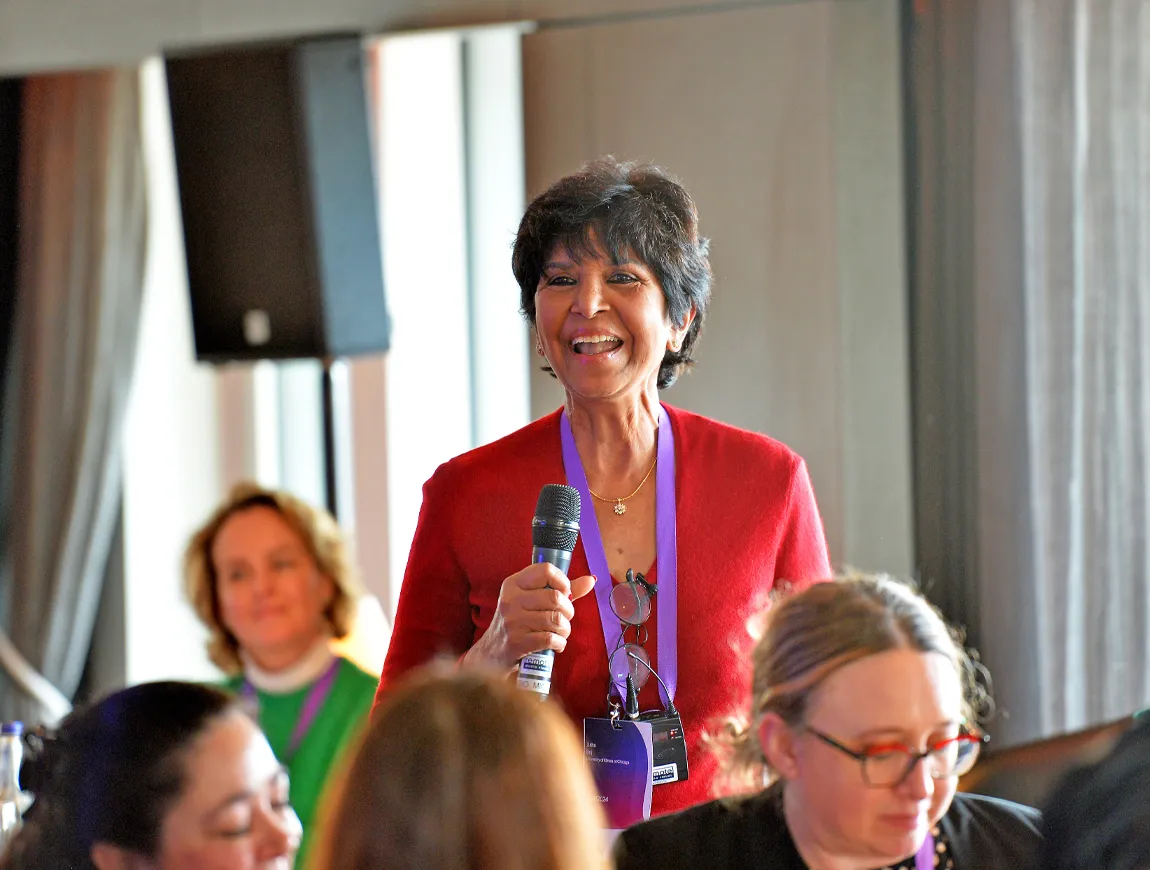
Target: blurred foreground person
1099 816
463 771
171 776
863 718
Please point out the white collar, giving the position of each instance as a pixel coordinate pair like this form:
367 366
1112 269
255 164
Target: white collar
306 670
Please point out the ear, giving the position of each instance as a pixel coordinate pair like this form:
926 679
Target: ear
777 740
330 592
678 333
107 856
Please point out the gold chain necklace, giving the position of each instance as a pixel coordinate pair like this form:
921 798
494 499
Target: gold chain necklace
621 508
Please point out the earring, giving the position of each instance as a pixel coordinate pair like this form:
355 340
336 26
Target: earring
539 348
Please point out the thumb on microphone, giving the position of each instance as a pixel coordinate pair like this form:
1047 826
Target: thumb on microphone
580 586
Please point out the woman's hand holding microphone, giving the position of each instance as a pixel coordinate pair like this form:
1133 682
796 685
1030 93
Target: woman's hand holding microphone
534 613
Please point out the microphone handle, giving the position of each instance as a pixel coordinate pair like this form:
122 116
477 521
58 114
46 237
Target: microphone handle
535 668
561 559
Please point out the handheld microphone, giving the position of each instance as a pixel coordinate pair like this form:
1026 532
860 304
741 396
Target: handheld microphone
554 531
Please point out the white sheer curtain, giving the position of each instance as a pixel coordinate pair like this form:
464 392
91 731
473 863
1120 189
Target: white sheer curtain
1084 89
81 245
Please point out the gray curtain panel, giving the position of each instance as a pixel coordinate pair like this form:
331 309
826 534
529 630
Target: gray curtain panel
1030 300
1084 81
82 243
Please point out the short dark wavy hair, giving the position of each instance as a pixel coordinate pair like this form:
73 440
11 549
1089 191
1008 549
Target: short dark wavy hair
111 773
632 209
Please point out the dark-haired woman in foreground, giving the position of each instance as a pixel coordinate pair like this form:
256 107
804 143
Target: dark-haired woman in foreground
863 718
170 775
615 281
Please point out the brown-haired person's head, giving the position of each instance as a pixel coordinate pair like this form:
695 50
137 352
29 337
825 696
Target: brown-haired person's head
270 576
863 709
463 771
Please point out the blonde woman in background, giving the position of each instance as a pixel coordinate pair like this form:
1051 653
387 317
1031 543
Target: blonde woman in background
461 770
863 717
271 578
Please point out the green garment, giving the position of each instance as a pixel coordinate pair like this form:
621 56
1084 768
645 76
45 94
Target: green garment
338 723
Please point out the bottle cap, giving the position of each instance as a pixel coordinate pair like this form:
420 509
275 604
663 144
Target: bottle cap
15 728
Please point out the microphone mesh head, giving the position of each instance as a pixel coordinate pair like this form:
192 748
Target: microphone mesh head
558 503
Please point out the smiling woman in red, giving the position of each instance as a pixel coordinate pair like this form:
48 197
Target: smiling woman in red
615 282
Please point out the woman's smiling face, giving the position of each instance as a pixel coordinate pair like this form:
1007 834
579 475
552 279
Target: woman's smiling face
603 325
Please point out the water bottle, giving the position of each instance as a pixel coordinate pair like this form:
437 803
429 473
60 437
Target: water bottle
11 800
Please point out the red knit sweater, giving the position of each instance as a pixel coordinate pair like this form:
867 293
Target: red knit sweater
747 520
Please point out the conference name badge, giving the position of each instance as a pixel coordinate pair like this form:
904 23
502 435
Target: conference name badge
621 757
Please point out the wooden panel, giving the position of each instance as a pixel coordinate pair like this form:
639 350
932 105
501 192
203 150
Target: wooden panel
870 198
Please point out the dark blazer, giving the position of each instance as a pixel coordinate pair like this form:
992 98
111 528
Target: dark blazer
977 833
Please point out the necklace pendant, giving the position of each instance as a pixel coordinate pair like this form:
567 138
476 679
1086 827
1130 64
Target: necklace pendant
620 508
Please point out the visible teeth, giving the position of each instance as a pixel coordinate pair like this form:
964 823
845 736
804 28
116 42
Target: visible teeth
594 339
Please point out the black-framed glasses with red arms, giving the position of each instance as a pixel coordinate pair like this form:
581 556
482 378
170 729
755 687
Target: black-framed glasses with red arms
888 765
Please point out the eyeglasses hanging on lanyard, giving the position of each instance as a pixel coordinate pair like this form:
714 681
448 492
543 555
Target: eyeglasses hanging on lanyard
631 603
630 666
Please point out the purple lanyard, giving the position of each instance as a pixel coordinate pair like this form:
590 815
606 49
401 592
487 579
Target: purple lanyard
924 858
312 704
666 549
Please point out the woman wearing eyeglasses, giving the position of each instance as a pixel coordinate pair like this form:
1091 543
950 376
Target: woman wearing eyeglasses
863 712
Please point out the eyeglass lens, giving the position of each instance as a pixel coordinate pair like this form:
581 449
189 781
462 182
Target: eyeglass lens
631 602
954 758
623 662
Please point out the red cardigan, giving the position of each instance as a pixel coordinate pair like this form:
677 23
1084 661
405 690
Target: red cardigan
747 519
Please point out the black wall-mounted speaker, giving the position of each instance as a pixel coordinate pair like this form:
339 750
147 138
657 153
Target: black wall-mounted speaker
278 196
